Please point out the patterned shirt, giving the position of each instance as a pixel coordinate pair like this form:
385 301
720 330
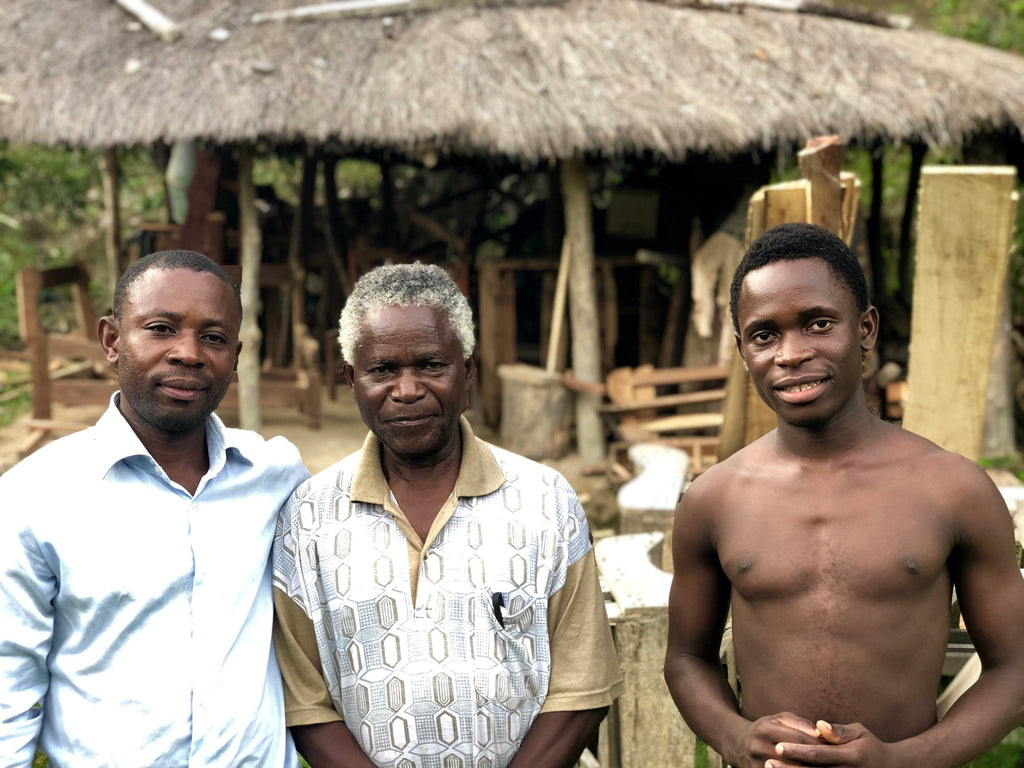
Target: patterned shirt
443 652
139 615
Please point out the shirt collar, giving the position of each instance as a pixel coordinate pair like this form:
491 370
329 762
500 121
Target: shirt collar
116 441
479 473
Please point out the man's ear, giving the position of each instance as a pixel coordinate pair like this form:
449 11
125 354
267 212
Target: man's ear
470 364
868 328
108 334
238 351
349 374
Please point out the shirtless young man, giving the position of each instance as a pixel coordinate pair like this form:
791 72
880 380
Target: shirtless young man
837 538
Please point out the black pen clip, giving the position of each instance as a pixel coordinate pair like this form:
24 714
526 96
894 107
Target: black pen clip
497 603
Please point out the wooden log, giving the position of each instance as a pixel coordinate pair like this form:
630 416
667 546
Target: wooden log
586 349
964 235
250 334
112 215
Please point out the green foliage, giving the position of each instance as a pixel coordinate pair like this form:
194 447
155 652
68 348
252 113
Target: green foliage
999 23
48 213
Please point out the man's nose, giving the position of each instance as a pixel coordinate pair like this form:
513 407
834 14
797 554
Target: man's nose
407 385
792 350
187 349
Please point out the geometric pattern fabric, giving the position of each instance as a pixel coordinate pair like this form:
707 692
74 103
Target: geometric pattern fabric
438 684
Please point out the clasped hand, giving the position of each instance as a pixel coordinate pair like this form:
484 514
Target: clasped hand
788 741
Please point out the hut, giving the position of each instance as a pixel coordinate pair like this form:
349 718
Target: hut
564 84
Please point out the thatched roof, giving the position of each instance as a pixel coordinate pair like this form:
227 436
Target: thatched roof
529 82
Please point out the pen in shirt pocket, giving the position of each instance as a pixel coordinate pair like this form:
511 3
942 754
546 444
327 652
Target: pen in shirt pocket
498 604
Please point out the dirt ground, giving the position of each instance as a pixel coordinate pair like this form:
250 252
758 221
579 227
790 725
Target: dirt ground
341 433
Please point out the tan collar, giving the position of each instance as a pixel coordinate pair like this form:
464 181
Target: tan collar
479 473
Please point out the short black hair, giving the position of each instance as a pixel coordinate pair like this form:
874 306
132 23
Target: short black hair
174 259
788 242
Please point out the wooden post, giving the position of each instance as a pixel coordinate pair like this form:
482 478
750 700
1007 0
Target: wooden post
586 349
250 335
112 216
964 234
821 163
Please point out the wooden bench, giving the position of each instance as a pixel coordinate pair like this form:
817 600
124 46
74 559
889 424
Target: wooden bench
681 407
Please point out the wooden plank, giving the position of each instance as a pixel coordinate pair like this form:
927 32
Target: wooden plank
964 234
558 311
657 377
681 421
851 201
667 401
785 202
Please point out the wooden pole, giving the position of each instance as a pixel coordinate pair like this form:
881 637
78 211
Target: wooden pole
586 348
112 217
250 335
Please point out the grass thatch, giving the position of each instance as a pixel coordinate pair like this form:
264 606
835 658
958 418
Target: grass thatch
526 82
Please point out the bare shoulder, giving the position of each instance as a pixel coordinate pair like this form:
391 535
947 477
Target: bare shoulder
954 482
726 483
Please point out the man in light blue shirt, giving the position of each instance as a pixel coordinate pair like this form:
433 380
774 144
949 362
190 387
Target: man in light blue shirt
134 582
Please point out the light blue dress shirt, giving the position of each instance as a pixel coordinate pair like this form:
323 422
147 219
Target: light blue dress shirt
139 615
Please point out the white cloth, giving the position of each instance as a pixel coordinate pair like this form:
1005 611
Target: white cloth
141 616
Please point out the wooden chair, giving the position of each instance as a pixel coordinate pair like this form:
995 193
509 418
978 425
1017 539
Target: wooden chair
298 383
67 368
680 406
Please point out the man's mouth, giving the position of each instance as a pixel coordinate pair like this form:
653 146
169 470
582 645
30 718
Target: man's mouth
801 387
182 390
801 392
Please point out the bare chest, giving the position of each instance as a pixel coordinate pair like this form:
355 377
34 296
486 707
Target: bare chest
825 541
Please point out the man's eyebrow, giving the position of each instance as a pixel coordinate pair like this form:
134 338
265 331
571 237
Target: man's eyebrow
818 311
758 324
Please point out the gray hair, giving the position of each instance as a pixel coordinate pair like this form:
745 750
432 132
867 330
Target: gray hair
405 285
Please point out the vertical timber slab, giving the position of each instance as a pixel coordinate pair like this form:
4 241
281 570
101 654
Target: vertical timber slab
964 233
649 729
652 733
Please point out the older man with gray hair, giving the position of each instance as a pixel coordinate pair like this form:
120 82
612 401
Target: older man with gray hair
437 597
